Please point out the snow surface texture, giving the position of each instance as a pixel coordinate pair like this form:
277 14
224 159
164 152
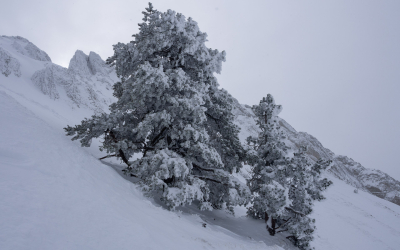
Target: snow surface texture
344 168
57 195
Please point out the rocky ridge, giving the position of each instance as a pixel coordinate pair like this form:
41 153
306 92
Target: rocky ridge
84 82
24 47
87 82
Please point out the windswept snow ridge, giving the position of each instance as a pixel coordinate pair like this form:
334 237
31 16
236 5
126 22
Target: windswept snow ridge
24 47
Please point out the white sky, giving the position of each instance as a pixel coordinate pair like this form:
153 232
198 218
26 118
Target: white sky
333 65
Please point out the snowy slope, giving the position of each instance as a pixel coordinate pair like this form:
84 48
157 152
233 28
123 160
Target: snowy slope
57 195
346 220
54 195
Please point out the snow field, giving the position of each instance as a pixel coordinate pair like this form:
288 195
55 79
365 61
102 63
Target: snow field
346 220
54 195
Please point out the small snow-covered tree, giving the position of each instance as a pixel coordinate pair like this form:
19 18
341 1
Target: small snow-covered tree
170 110
284 188
305 186
267 154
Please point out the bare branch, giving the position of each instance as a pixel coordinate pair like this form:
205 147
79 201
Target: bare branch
205 169
107 156
294 211
209 179
283 225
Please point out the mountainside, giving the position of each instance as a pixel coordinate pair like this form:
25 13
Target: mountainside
344 168
58 195
85 83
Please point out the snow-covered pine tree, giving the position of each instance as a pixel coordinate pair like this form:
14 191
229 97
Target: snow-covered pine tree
267 154
305 185
283 187
171 111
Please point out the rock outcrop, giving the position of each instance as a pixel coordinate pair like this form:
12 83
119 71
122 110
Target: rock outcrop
87 81
8 64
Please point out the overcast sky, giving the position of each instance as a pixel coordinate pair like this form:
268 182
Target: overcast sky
333 65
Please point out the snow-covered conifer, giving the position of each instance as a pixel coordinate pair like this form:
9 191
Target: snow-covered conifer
283 187
267 155
305 186
171 111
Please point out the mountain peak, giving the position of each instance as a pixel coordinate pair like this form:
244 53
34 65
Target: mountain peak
96 64
79 64
26 48
85 65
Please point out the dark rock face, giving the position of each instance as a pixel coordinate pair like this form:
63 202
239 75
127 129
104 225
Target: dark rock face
344 168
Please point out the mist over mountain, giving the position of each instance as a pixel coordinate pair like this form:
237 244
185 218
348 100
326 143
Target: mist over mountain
62 197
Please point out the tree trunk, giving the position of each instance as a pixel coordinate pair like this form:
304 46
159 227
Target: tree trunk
122 155
271 229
